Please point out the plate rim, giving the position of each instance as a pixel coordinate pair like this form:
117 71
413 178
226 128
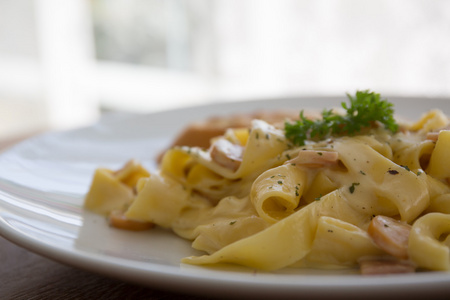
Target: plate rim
97 264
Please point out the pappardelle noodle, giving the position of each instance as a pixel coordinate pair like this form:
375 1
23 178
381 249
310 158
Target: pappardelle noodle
338 191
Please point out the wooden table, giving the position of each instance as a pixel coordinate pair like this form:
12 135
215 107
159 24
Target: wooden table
25 275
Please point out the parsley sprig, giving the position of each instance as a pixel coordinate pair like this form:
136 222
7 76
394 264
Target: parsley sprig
364 110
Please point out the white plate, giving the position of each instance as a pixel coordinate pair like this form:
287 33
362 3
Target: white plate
43 181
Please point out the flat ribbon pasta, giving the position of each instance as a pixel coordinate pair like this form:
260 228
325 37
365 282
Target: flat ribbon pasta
380 190
276 193
270 205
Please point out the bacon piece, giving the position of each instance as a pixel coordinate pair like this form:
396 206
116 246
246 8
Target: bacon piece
315 158
383 266
432 136
227 154
390 235
117 219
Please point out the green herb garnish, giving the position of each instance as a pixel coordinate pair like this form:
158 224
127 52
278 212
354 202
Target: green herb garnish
405 167
352 187
364 110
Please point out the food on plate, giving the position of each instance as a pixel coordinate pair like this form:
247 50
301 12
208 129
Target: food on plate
200 133
350 187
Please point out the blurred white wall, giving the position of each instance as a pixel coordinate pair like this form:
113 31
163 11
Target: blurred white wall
327 47
70 59
46 61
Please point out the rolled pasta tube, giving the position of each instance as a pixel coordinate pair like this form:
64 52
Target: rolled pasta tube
424 247
276 193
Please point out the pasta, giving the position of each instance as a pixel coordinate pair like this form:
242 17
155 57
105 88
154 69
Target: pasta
254 199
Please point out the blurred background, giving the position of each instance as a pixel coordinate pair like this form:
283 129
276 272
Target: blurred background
64 63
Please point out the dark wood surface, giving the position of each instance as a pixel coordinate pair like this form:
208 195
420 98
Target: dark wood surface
25 275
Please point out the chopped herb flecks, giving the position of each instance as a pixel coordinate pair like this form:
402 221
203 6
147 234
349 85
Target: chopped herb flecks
352 187
296 191
406 168
393 172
